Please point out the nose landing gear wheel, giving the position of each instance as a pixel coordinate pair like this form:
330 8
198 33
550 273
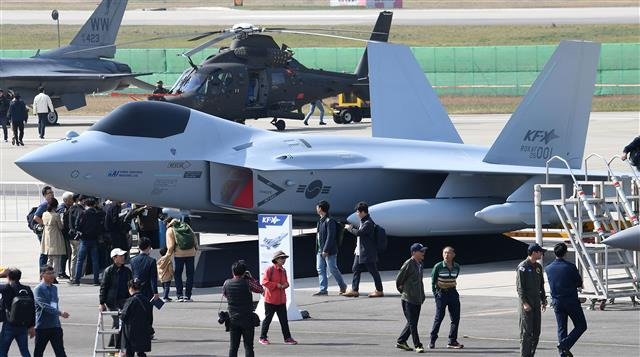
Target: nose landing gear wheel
52 118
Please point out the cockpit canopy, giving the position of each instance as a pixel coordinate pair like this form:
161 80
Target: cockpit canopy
150 119
200 82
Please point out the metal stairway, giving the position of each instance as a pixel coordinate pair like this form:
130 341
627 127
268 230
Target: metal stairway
594 211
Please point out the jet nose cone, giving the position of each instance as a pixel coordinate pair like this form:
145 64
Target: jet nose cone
626 239
33 162
47 164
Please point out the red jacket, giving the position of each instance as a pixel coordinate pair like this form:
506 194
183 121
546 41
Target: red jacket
272 276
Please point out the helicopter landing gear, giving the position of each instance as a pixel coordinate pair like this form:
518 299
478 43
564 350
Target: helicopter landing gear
279 124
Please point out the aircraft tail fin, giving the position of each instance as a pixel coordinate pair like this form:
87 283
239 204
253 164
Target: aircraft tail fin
97 36
380 34
404 105
553 117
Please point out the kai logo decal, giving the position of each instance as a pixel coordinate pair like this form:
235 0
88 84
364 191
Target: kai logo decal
540 136
313 189
535 143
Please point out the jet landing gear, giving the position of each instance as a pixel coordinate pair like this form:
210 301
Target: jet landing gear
279 124
52 118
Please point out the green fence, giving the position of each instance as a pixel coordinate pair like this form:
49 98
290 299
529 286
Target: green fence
480 70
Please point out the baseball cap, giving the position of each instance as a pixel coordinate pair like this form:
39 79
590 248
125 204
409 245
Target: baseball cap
117 251
535 247
417 247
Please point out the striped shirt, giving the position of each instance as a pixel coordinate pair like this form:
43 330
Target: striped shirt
442 277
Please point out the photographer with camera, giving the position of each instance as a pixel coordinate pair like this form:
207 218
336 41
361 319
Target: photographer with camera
242 319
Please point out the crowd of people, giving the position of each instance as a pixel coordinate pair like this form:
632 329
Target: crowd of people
132 290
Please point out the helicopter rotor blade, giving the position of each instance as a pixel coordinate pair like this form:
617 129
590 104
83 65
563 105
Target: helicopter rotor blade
206 34
323 35
208 43
277 29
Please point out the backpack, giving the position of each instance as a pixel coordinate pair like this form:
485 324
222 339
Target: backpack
22 308
184 236
30 223
380 236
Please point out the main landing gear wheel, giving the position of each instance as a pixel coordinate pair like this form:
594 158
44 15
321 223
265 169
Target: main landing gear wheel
279 124
52 118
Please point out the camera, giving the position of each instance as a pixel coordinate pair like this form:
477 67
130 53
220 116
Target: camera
223 317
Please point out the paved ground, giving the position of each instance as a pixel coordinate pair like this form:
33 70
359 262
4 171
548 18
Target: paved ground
607 135
341 326
224 16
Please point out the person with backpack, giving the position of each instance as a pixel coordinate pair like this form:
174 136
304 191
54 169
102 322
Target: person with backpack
48 313
275 298
366 252
328 232
72 228
89 227
182 245
237 291
63 211
136 330
17 309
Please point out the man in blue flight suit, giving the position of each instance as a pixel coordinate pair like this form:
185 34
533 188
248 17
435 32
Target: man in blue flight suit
564 280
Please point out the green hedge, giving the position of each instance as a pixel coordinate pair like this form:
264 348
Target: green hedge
480 70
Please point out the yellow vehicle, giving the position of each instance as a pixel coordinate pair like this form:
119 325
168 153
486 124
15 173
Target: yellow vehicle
350 108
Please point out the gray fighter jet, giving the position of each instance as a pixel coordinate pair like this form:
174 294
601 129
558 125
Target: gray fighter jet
416 172
70 72
625 239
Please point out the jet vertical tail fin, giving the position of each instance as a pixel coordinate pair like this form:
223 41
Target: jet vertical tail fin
98 35
404 105
380 34
553 117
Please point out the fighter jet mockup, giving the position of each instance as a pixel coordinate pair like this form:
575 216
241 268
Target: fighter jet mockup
415 171
625 239
70 72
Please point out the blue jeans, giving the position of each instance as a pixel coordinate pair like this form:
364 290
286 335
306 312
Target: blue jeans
88 246
321 267
8 334
312 108
563 311
179 266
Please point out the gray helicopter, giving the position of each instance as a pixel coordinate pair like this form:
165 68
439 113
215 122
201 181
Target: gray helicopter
70 72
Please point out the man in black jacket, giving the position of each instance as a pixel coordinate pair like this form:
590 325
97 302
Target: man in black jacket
240 301
74 237
366 252
12 331
145 271
89 226
114 226
4 109
114 291
327 249
632 151
18 114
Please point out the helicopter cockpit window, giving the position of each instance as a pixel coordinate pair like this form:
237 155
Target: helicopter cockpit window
184 77
194 83
218 81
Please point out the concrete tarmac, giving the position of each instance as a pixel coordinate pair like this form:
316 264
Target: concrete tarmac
220 16
608 133
341 326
